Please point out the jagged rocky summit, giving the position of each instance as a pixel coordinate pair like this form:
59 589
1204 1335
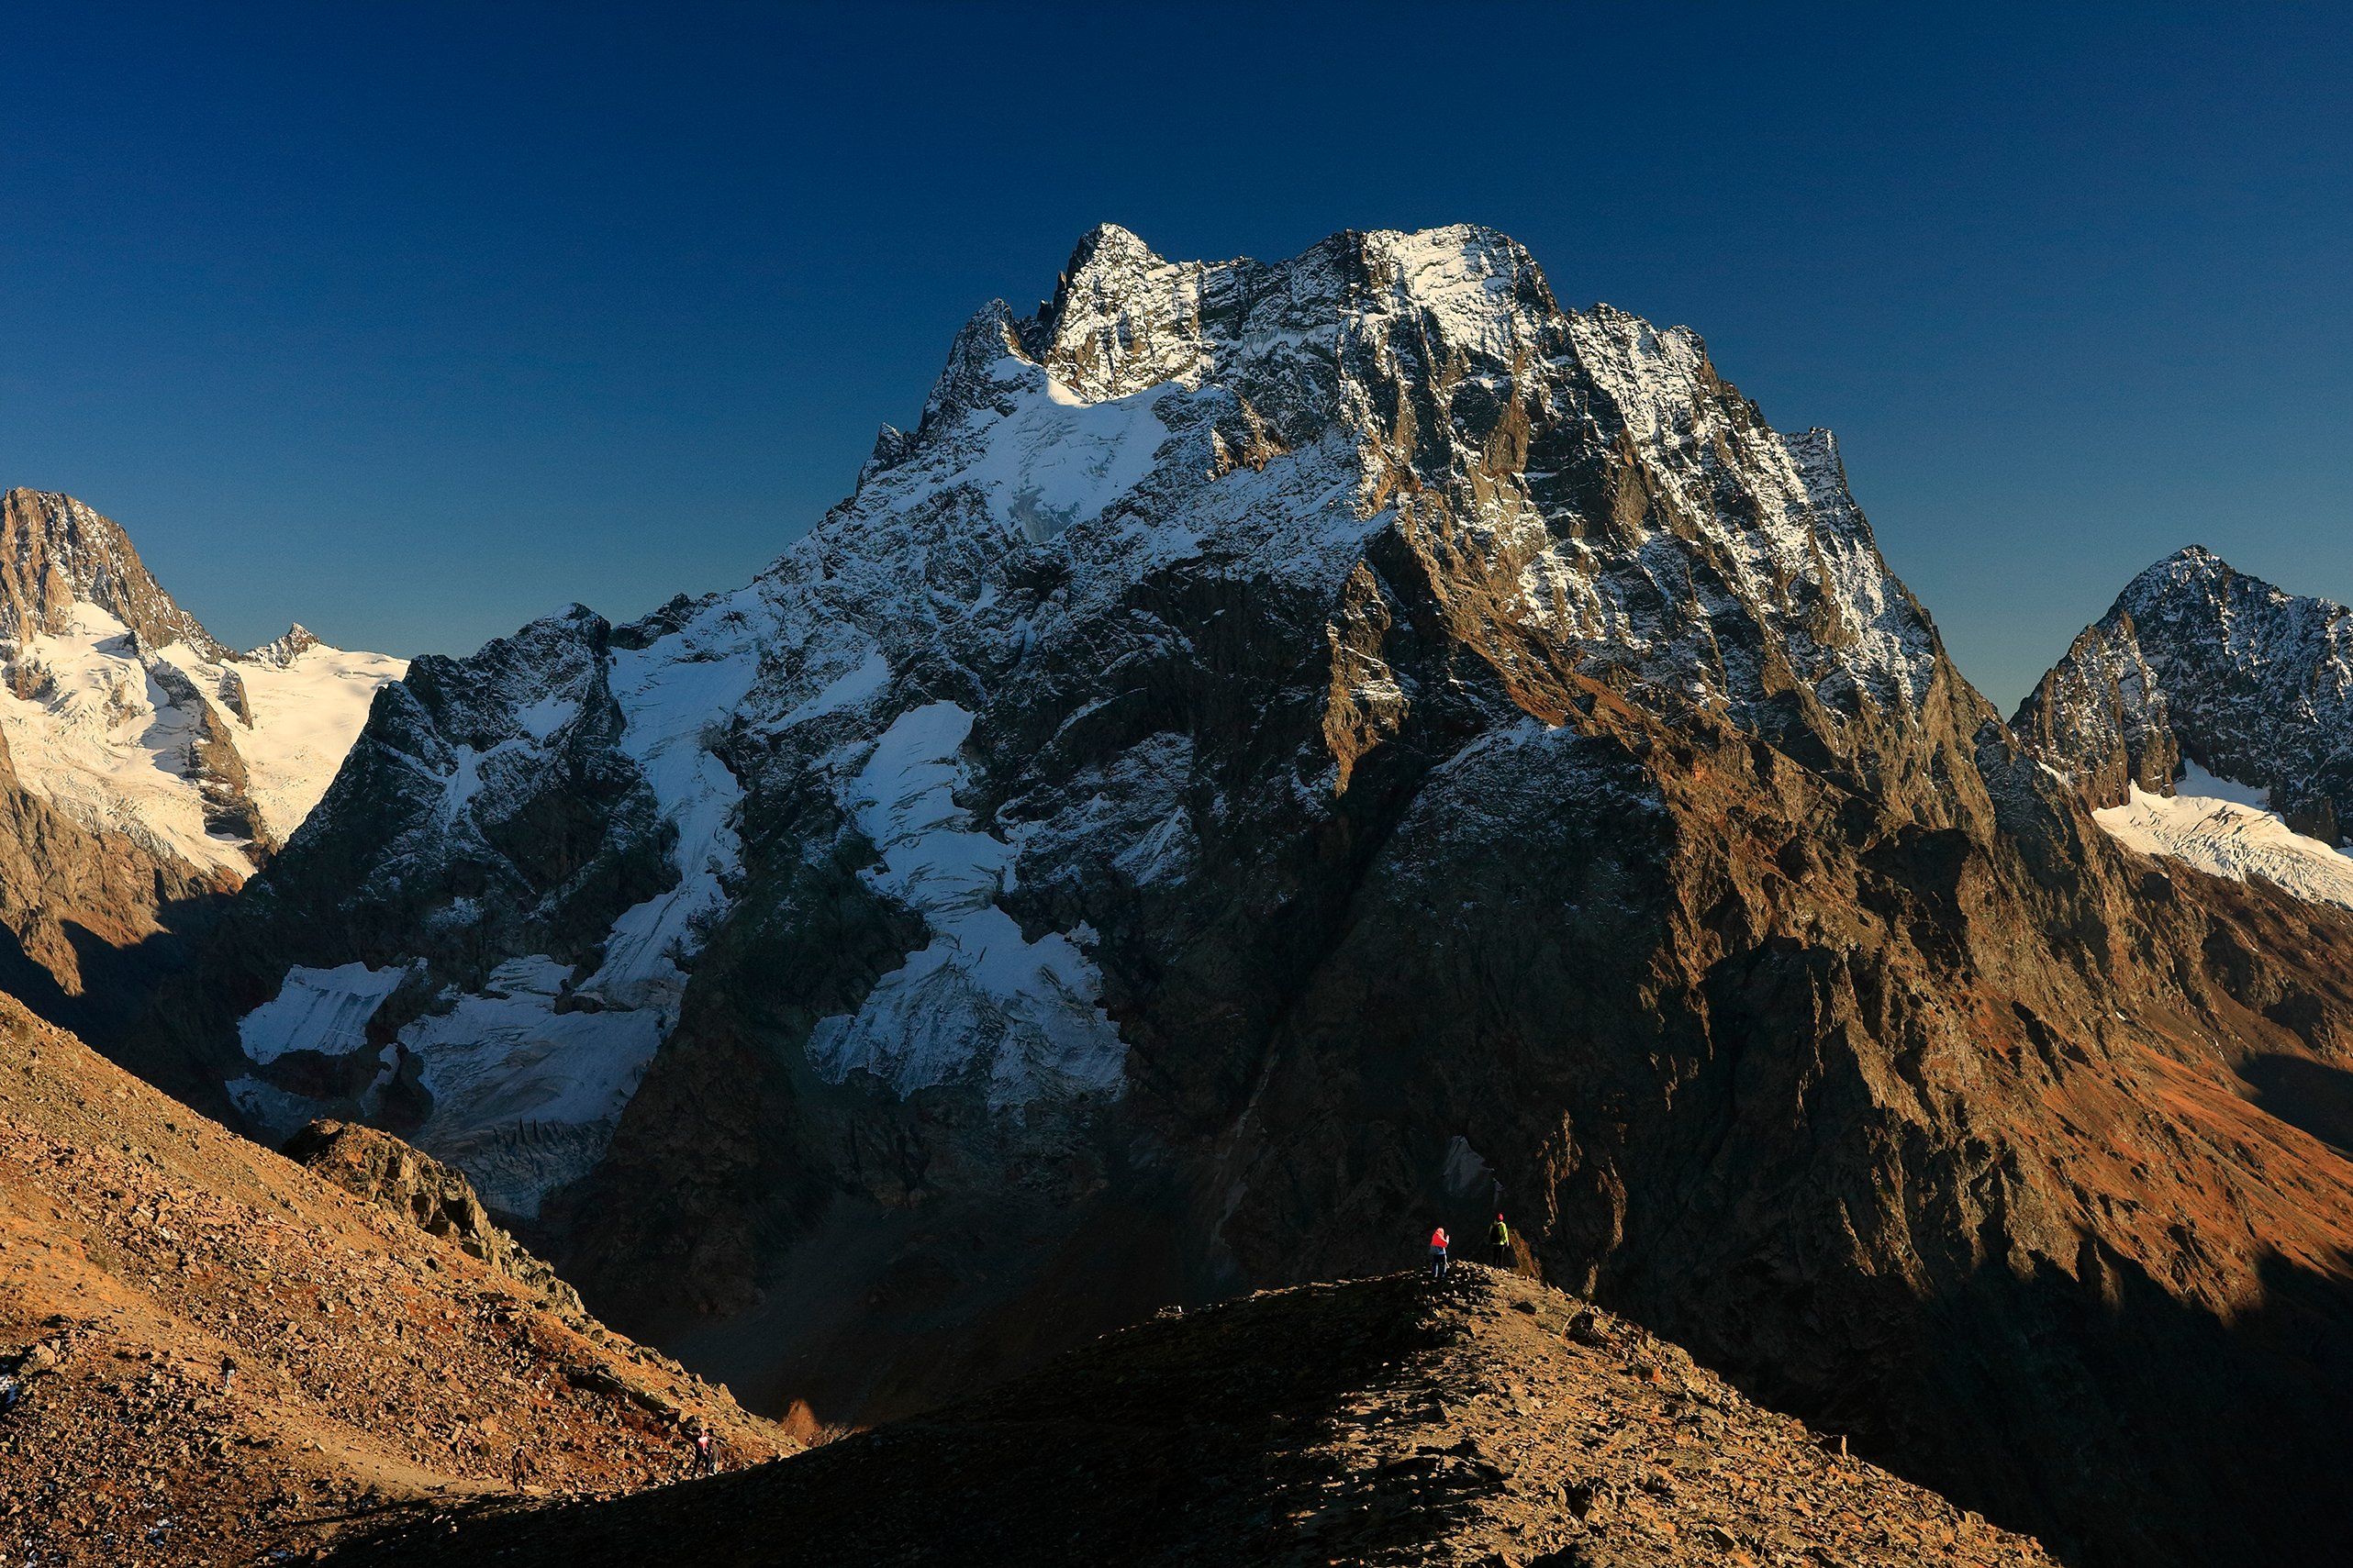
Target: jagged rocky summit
2209 715
1279 752
147 768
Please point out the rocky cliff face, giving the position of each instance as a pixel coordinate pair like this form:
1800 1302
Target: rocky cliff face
147 768
1281 753
57 555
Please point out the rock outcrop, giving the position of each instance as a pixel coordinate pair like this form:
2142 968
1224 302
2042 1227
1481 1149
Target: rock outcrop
207 1355
1281 753
436 1199
1376 1422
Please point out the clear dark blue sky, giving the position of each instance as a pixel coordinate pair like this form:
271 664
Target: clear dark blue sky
414 322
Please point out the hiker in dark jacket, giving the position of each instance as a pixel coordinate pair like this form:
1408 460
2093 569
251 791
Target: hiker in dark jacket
1498 1236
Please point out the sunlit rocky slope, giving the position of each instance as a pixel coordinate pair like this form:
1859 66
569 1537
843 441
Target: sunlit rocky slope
208 1355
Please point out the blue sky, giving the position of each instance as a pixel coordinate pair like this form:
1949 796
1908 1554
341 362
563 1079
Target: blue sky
414 322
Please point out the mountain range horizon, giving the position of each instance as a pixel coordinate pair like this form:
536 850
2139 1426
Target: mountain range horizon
2008 684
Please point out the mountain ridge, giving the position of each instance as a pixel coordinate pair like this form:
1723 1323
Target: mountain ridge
1371 1421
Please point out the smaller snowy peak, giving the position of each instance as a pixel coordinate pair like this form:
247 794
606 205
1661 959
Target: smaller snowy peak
2197 664
284 651
117 706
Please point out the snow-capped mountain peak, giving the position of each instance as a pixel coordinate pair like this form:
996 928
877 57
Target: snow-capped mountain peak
2197 663
1171 468
122 710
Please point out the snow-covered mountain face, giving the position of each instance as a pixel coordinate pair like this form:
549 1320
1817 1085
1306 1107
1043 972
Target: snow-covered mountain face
963 673
121 710
1279 752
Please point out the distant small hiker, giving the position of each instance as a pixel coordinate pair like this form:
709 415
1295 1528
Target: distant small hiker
1498 1236
705 1452
1439 1241
518 1468
227 1374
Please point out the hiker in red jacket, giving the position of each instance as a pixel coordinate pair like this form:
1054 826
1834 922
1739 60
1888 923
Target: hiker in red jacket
1438 1242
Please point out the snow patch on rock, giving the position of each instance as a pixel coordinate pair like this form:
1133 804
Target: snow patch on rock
671 694
980 995
504 1063
325 1010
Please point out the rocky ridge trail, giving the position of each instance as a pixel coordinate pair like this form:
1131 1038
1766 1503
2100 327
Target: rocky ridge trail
210 1356
1489 1421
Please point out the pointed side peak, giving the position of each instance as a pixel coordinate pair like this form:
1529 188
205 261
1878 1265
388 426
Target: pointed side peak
298 639
1109 245
982 343
891 445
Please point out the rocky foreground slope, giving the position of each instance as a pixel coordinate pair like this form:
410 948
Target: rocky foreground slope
208 1356
1280 753
1493 1421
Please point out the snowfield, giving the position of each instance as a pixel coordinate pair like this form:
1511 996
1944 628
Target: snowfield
2229 829
90 729
980 993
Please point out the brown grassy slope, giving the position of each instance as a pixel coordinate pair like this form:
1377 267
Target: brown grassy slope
1381 1421
376 1365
